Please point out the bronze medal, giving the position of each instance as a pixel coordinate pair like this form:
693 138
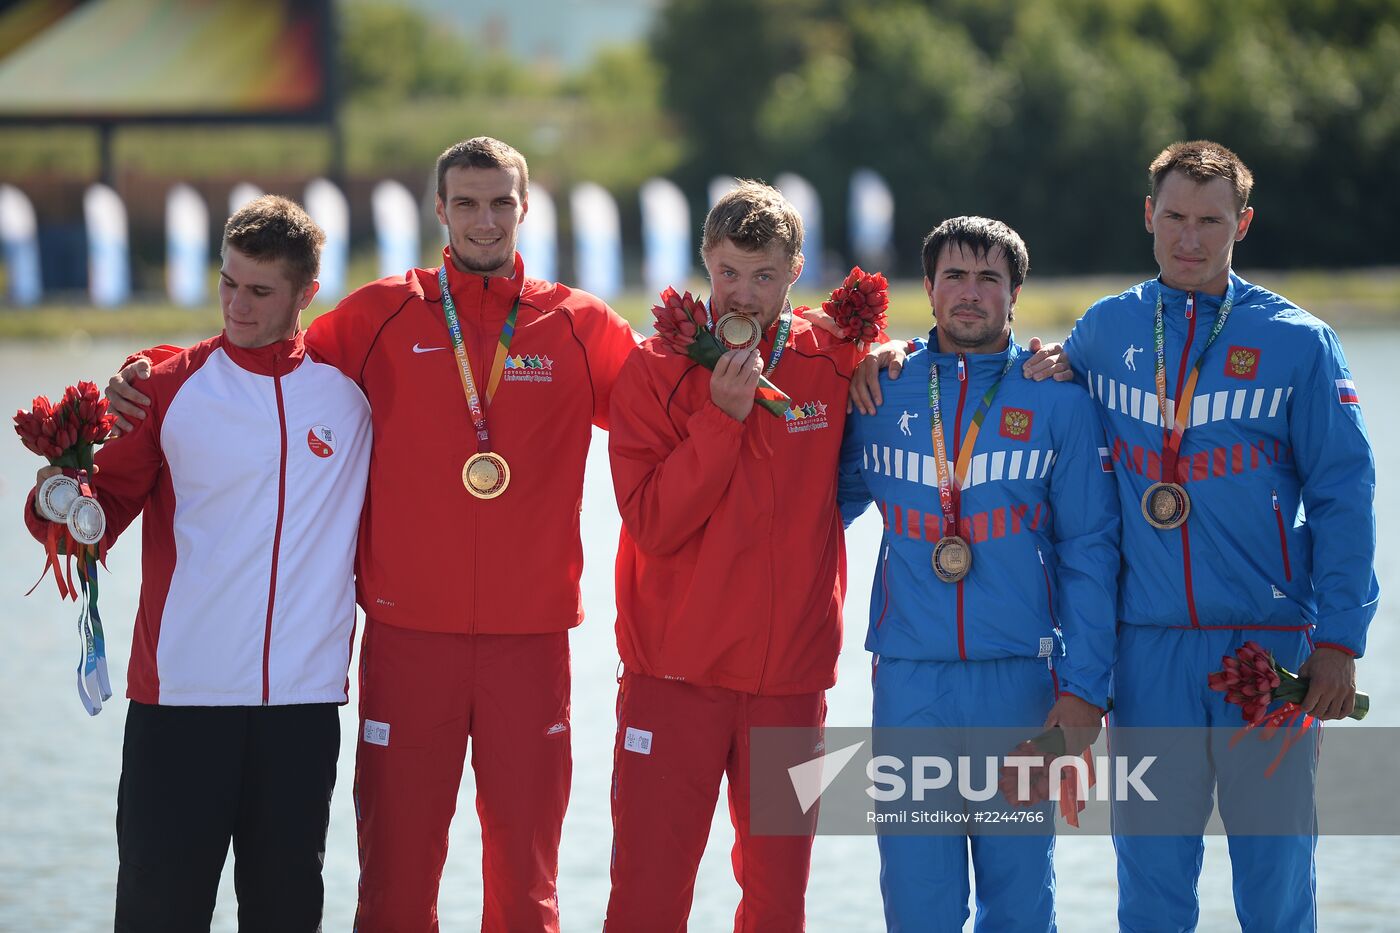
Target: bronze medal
952 558
737 331
1165 505
486 475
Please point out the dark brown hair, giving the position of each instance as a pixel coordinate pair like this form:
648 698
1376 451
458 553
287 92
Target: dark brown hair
980 236
1201 160
481 152
270 228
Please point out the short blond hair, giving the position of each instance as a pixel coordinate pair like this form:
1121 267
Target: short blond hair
754 215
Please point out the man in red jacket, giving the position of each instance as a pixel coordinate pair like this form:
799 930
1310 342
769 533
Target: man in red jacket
484 387
730 575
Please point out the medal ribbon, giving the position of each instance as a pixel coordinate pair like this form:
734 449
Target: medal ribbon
940 449
780 339
1171 443
464 366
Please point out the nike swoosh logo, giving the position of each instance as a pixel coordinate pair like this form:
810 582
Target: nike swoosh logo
418 349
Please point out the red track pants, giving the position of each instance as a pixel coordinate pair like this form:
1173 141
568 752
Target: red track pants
665 785
422 694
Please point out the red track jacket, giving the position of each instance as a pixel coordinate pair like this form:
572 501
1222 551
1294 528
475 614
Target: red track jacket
732 567
431 556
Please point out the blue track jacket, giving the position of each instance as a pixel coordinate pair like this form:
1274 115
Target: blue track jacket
1281 532
1039 509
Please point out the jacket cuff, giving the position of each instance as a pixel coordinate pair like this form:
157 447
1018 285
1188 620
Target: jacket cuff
714 420
1349 652
1073 688
38 527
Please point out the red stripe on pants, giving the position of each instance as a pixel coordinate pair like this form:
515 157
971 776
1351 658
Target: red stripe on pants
663 802
510 695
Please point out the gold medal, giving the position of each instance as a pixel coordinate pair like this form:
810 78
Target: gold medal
486 475
738 331
1165 505
952 558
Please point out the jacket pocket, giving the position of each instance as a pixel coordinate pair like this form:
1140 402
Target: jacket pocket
1282 537
884 585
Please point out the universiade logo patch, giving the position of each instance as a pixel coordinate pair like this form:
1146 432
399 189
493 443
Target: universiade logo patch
805 416
531 368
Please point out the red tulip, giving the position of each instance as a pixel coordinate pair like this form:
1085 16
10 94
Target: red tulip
859 305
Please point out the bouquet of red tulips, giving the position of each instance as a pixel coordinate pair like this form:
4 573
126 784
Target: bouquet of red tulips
859 306
65 434
1252 680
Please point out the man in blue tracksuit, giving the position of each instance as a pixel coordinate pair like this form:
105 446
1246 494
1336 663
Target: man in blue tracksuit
1216 548
993 597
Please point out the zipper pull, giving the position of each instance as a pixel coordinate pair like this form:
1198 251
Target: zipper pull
1040 555
962 368
1274 492
1190 305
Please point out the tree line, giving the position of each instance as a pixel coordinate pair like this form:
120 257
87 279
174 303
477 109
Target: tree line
1046 114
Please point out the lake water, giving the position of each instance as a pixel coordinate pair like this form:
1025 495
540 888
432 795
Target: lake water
59 769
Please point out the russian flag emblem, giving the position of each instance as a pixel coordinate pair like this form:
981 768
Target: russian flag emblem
1346 392
1105 460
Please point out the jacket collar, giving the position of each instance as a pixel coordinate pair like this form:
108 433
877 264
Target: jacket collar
977 362
275 359
480 295
1176 297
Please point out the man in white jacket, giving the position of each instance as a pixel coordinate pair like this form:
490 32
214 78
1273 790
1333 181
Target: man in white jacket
250 471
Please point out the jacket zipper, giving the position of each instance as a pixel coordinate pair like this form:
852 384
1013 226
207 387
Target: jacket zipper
1282 538
957 446
1185 532
277 534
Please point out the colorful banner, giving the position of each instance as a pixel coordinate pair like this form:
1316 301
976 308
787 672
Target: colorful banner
871 219
19 243
803 197
328 207
597 240
666 249
132 59
109 262
538 236
186 247
396 228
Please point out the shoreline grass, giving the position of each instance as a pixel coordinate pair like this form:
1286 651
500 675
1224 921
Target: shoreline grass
1048 307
